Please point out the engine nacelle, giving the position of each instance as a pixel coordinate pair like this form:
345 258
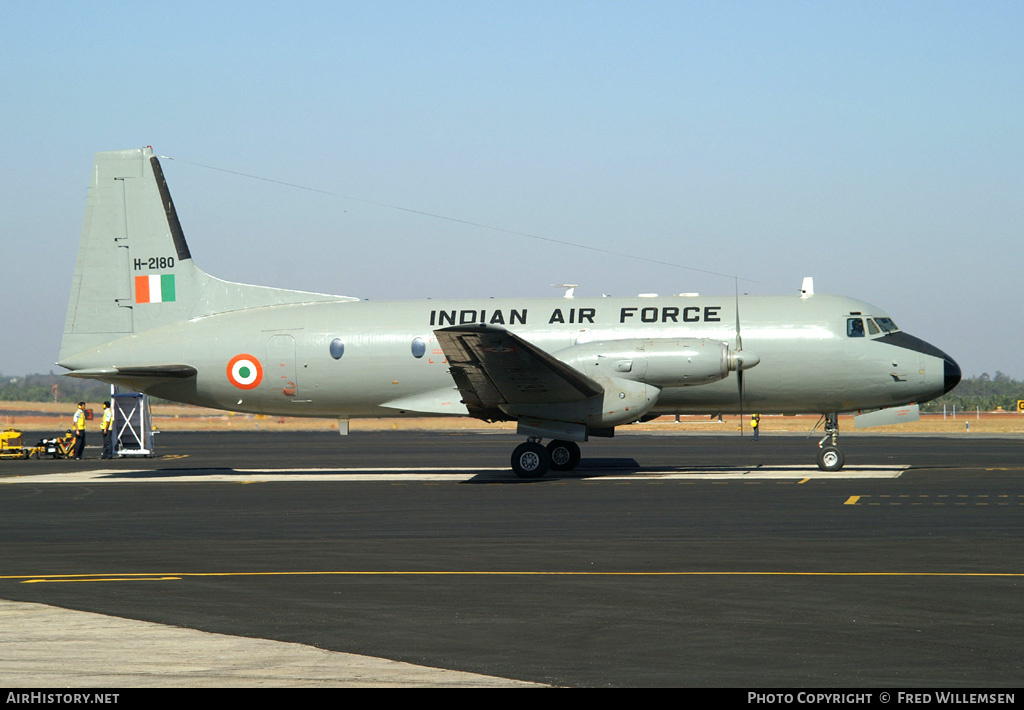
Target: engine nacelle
662 362
624 401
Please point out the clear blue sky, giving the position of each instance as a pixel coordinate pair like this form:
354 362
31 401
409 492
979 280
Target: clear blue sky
877 146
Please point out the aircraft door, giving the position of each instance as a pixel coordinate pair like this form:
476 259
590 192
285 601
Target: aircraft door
280 371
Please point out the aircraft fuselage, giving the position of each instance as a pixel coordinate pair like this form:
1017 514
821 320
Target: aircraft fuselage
387 351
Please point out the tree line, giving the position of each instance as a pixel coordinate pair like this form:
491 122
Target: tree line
984 392
40 388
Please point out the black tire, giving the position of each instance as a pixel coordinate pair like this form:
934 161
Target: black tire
530 460
565 455
830 458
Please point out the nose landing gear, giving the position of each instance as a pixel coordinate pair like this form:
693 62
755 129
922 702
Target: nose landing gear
830 456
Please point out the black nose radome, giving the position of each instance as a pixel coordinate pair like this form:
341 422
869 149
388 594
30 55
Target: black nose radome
952 374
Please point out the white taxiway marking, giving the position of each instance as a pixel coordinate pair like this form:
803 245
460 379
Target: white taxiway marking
299 475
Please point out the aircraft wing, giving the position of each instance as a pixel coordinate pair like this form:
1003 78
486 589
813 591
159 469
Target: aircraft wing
492 367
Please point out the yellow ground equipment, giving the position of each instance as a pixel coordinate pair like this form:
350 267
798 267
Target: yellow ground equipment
61 447
11 448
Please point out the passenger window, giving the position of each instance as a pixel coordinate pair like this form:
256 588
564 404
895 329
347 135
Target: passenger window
854 328
418 347
337 348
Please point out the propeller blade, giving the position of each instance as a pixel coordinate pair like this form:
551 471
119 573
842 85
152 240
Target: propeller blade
739 349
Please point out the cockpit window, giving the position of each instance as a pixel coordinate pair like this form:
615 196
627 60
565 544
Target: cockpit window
872 328
854 327
886 324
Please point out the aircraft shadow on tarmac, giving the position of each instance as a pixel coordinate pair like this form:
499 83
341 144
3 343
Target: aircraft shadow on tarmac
588 468
198 473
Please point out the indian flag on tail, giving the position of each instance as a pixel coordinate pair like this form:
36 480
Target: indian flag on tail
154 289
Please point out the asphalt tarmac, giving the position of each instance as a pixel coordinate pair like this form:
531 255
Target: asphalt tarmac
662 561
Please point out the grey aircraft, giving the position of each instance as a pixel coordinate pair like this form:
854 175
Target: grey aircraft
143 316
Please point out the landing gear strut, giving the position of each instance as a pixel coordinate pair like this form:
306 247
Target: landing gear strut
532 460
830 456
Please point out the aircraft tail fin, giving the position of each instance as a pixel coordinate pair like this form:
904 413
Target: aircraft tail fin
134 271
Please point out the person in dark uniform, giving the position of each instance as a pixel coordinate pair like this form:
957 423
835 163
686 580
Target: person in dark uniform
106 429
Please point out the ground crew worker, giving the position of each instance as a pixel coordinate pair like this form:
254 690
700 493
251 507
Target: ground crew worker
78 426
755 424
105 428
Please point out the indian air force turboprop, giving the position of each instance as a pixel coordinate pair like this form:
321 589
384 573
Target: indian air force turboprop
143 316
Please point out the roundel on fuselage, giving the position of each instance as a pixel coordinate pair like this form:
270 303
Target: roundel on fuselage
245 372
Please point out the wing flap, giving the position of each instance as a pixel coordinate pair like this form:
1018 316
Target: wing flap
493 367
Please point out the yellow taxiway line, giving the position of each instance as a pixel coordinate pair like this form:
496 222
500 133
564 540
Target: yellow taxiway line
177 576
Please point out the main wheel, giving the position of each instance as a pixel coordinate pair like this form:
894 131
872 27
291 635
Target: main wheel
565 455
530 460
830 458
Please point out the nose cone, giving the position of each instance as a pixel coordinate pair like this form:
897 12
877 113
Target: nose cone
952 371
742 360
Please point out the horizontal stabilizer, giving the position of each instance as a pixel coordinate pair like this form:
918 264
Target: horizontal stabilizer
171 371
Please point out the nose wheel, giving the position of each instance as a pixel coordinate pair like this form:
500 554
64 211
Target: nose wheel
830 456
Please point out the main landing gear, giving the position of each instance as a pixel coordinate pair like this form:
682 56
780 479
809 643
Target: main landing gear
830 456
532 459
